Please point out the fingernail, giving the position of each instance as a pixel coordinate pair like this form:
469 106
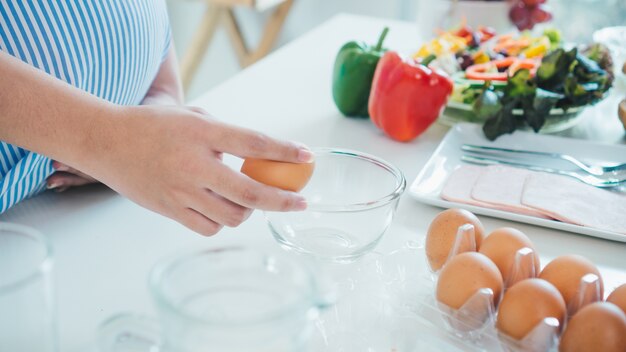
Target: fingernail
300 205
305 155
53 185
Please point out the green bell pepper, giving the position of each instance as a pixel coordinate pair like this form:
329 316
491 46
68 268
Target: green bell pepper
353 74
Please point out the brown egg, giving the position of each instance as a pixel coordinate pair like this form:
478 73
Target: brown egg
526 304
501 247
618 297
442 234
598 326
288 176
464 275
565 273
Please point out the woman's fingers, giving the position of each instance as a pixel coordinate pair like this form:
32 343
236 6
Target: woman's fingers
248 193
59 166
63 180
66 177
219 209
198 222
198 110
247 143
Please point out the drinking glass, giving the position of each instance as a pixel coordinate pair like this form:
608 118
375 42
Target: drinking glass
27 312
231 299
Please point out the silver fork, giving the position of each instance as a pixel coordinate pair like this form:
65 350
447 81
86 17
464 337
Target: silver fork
597 170
586 178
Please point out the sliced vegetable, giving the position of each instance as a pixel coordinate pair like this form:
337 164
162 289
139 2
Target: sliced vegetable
538 48
486 33
487 104
466 93
542 103
500 70
554 68
520 85
512 46
481 57
446 43
489 71
503 121
530 64
601 55
554 35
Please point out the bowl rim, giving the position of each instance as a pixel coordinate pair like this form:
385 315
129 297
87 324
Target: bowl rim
382 201
553 112
308 299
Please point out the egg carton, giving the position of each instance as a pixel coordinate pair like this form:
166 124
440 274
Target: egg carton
387 303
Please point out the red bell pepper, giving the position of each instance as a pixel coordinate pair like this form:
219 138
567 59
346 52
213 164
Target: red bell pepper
406 96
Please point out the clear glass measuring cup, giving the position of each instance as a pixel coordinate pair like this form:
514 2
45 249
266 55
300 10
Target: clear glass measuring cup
231 299
27 310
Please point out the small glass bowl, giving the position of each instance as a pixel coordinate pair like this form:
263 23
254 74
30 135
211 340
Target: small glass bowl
352 198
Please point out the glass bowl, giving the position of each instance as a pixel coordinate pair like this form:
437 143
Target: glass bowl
352 198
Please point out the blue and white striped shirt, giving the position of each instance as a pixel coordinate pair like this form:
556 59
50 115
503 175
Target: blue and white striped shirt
110 48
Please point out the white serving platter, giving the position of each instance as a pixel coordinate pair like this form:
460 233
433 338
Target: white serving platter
447 157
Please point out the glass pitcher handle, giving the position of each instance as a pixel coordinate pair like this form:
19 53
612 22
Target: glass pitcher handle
128 332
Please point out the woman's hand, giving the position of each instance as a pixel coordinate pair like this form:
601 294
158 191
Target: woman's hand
169 160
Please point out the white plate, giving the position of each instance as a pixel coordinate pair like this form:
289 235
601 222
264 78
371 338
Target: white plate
447 157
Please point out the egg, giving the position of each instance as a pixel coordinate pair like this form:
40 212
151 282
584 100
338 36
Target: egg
442 232
565 273
464 275
618 297
501 247
287 176
598 326
526 304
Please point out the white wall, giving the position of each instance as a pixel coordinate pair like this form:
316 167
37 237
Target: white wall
220 62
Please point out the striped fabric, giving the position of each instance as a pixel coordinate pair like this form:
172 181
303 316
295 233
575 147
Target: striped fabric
109 48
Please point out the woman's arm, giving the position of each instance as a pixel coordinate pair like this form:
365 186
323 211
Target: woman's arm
46 115
167 159
166 89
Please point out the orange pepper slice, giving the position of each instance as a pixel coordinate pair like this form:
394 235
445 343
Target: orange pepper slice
511 64
531 64
480 71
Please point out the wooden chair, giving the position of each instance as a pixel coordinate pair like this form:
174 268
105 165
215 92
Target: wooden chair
223 11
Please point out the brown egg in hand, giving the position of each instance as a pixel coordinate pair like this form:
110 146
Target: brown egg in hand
287 176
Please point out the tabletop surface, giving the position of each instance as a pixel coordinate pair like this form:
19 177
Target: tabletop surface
104 245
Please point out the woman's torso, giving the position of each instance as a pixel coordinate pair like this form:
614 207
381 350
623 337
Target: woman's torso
109 48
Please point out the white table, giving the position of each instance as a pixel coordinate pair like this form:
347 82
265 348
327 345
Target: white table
105 245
